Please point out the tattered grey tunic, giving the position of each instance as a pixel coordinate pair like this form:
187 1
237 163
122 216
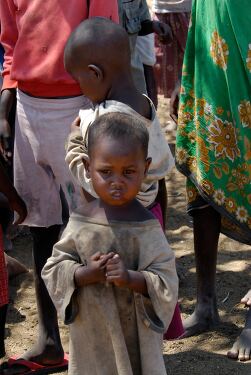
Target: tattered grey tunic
114 331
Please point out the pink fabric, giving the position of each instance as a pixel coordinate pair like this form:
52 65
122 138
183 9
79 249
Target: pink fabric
4 295
175 328
157 212
34 33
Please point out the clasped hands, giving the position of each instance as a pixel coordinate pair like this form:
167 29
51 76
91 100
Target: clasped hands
102 268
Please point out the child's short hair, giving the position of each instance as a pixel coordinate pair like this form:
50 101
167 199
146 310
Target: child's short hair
119 126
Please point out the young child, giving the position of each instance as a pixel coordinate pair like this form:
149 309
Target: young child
16 204
104 76
112 275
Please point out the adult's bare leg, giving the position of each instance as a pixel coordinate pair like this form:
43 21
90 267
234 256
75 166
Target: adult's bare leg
3 313
48 349
206 225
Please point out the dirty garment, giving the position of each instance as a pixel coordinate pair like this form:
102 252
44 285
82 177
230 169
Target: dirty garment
114 330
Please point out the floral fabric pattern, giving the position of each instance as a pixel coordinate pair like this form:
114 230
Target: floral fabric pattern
213 147
219 50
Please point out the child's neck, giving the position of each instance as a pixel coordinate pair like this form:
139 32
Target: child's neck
124 91
133 211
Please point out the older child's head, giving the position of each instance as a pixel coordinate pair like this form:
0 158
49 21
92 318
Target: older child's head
96 54
117 149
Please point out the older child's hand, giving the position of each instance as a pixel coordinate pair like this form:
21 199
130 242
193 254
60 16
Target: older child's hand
163 31
116 272
18 205
7 98
94 271
75 125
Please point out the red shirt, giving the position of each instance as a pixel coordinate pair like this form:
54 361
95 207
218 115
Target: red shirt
34 33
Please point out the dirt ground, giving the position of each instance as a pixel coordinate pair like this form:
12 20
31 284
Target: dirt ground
204 354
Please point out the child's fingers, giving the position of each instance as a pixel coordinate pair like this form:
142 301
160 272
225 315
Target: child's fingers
96 256
114 260
111 267
104 258
112 278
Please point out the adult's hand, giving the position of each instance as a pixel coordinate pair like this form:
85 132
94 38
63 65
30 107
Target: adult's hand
174 103
163 31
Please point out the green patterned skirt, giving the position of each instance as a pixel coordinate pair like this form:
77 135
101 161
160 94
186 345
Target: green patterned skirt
213 147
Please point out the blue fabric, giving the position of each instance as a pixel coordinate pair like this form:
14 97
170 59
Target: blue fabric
1 57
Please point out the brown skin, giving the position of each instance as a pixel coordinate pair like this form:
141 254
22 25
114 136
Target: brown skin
241 349
15 202
7 99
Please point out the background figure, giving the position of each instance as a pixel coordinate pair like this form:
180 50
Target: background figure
213 147
6 216
17 205
135 18
48 100
145 49
176 14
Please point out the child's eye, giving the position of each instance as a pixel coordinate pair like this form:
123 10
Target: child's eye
105 171
129 171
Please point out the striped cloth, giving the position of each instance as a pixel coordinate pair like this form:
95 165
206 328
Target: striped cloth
4 295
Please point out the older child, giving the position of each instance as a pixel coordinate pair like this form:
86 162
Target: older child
16 204
112 275
104 76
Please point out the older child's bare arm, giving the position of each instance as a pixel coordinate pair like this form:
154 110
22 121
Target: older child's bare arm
7 98
15 202
117 274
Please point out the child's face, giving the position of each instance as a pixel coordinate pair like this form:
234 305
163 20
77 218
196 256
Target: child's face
116 170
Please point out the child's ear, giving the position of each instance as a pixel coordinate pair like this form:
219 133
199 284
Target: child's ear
86 163
147 165
96 71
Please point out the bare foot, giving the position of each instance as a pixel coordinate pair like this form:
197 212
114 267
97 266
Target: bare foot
247 299
204 318
242 347
50 356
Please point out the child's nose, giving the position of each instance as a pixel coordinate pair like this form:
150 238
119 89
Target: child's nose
117 182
